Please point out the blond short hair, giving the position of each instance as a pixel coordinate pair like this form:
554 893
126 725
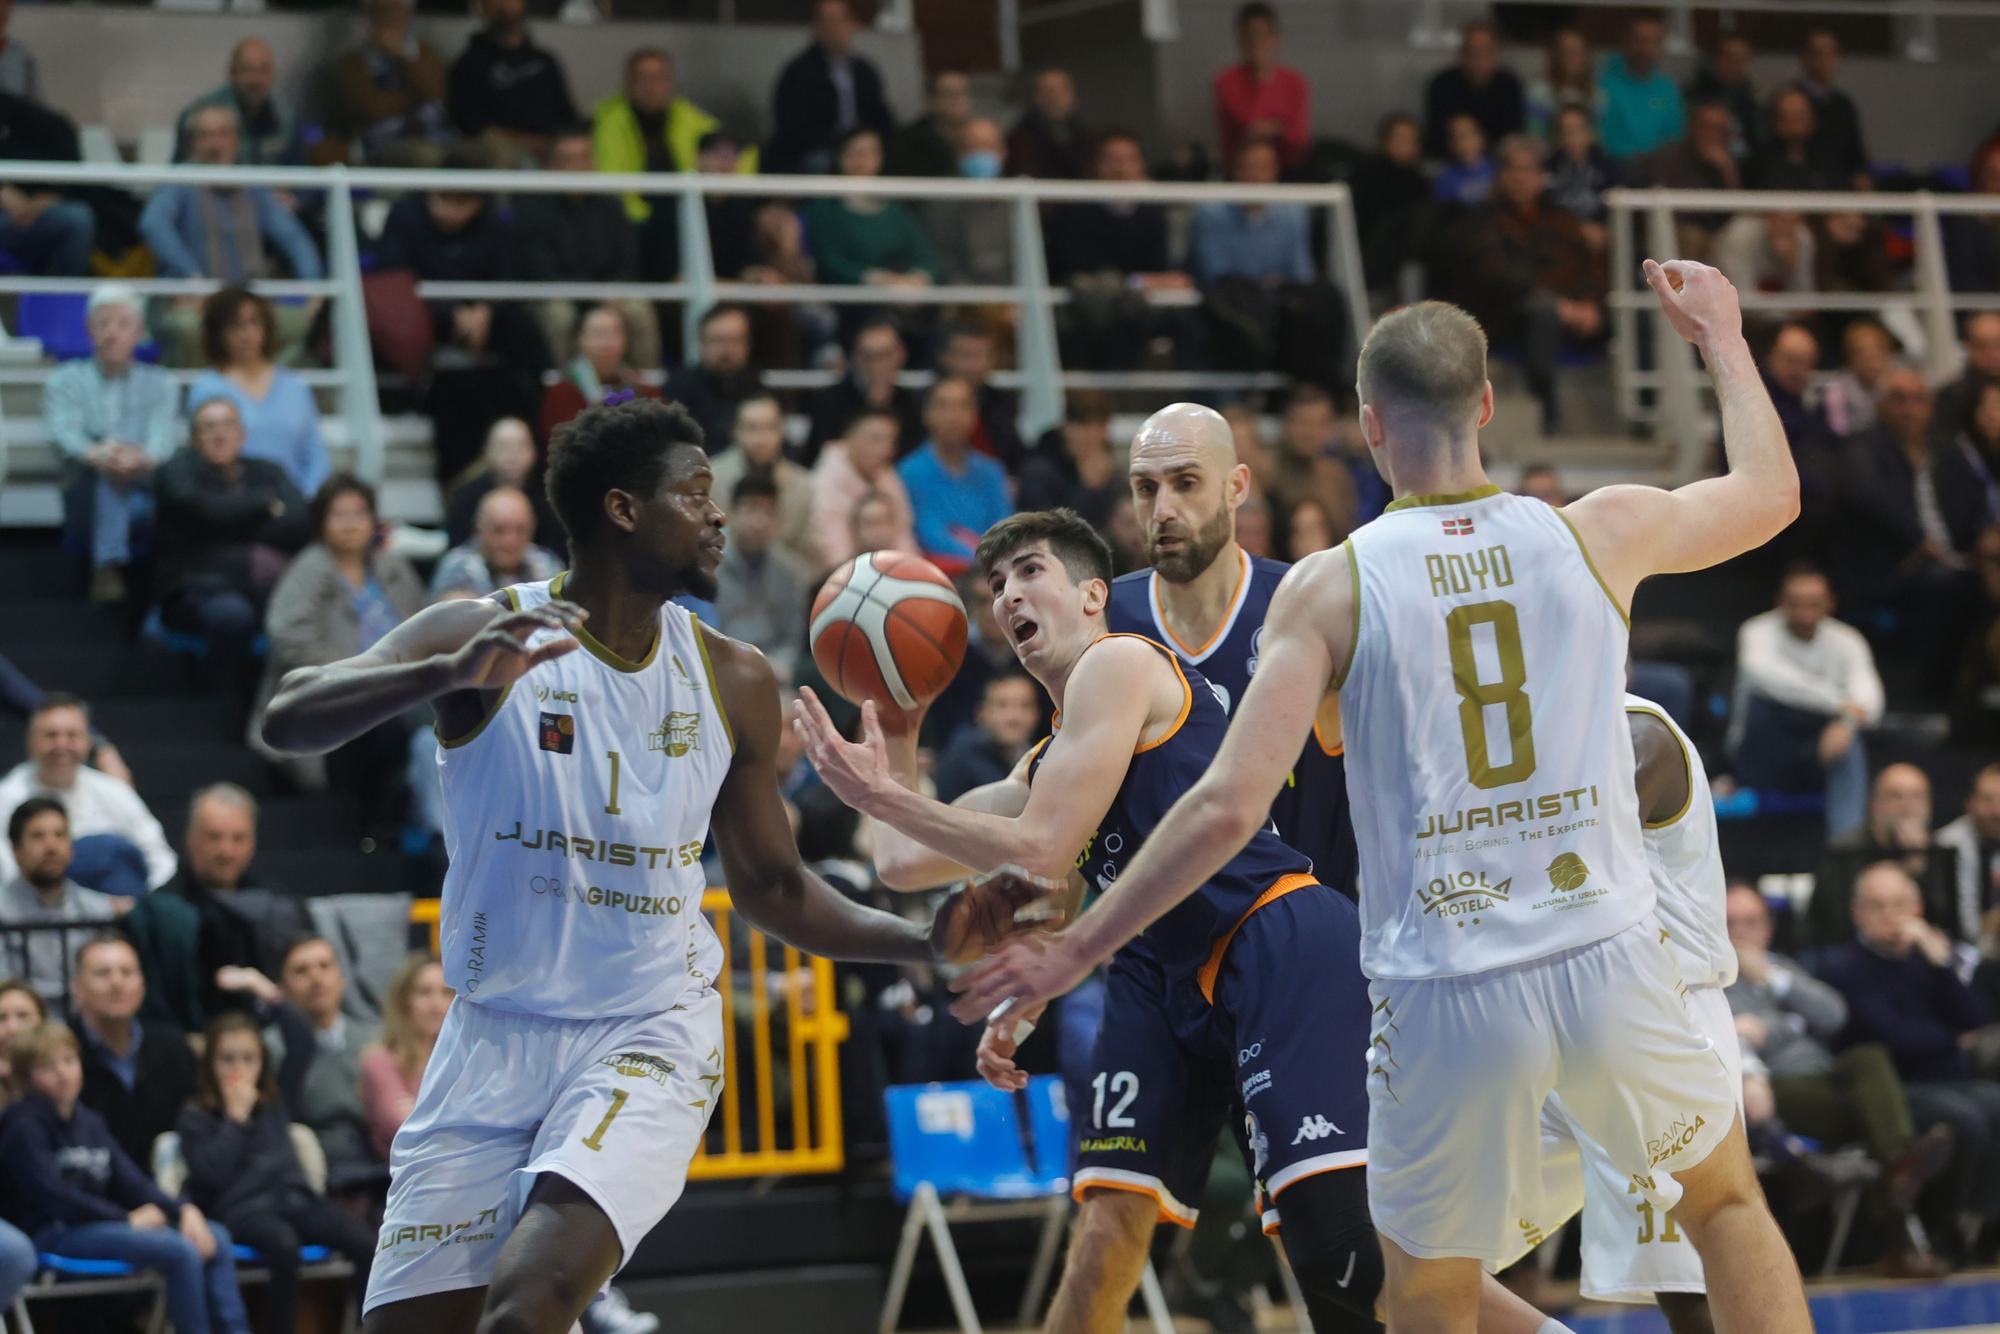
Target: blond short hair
1426 361
31 1047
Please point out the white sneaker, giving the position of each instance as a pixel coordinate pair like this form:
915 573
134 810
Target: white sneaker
610 1313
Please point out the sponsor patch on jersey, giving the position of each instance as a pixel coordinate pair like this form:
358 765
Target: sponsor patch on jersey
558 733
677 734
640 1065
1568 872
1460 527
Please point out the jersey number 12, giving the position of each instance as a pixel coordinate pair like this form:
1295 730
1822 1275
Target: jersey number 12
1476 696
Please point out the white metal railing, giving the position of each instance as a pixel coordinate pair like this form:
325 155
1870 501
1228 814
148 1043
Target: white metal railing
1041 374
1674 379
1431 29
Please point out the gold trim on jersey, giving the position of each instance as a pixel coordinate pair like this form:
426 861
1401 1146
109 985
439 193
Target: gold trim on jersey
597 648
1590 564
714 688
1687 767
492 710
1444 498
1354 640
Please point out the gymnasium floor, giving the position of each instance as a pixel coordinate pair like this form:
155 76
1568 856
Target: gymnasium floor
1965 1305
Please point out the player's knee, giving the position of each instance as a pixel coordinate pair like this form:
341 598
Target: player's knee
1111 1235
1331 1243
547 1308
1726 1179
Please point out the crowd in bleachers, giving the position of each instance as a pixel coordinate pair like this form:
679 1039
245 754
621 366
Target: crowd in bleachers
222 510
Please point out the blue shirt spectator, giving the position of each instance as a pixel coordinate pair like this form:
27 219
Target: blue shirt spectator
201 231
1641 108
283 426
1257 241
957 493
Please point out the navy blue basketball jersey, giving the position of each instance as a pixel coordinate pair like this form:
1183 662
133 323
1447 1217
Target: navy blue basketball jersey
1189 939
1311 810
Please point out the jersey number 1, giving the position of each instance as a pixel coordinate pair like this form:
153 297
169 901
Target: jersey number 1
1476 696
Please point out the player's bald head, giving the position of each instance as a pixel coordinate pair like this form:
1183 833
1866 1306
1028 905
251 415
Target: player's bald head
1181 432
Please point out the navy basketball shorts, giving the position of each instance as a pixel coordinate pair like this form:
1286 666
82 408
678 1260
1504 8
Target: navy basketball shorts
1277 1051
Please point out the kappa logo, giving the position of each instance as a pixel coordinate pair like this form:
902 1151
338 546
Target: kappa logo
640 1065
1679 1135
677 734
1315 1128
558 733
1459 527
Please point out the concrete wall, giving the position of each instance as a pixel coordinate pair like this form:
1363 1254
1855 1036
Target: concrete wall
132 68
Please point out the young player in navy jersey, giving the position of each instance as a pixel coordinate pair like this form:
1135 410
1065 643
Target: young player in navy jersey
1202 1016
1205 597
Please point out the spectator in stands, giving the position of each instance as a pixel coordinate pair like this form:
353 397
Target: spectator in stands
118 848
1788 1021
1902 992
974 239
1392 199
329 1098
1704 160
502 550
20 72
1724 79
581 237
113 420
213 917
929 145
1050 141
1530 274
761 587
1974 839
1478 86
215 231
1792 157
1569 80
42 893
1982 367
1979 442
757 444
1312 465
1836 135
1541 481
650 127
1766 252
965 352
724 374
240 339
1806 689
956 492
824 94
864 239
1898 829
266 134
1265 243
1972 240
1580 171
1868 350
855 468
875 357
1467 176
1074 465
412 1014
20 1010
242 1168
602 365
459 236
47 234
1258 98
1307 528
986 750
507 89
336 599
507 459
76 1187
136 1072
226 522
1642 107
1109 253
1789 363
385 100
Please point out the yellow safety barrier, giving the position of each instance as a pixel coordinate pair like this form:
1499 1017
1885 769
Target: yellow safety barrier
799 999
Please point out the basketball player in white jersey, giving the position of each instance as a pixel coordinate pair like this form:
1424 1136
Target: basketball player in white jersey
1478 641
581 1061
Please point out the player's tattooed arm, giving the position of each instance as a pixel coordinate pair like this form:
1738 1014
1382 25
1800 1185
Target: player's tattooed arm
456 656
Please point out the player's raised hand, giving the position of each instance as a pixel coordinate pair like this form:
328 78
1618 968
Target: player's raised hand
854 771
1023 975
499 655
994 908
1698 301
997 1045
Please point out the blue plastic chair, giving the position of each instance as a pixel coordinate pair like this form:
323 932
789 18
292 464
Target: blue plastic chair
59 319
65 1276
309 1255
960 1139
1049 1127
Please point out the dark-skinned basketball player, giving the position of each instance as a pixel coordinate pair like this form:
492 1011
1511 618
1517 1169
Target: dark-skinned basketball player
1212 992
580 1062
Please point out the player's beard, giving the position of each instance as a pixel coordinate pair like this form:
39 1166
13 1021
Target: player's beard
700 583
1196 554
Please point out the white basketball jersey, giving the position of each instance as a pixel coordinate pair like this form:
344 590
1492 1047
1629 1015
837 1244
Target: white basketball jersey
1488 763
1684 859
574 817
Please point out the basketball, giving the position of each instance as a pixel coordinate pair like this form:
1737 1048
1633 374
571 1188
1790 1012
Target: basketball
888 627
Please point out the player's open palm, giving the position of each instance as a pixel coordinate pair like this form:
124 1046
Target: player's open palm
1697 300
854 771
500 655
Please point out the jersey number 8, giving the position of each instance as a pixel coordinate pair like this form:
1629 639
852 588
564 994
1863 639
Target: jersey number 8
1476 696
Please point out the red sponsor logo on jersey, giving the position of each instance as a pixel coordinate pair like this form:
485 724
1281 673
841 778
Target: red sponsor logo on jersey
1460 527
558 733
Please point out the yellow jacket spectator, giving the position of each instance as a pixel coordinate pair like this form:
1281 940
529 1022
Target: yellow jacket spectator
648 128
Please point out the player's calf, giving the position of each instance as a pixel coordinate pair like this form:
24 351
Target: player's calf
1107 1254
1686 1312
1753 1281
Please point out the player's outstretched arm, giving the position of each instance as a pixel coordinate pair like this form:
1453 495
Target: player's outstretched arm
1104 719
1307 634
902 863
1633 532
455 656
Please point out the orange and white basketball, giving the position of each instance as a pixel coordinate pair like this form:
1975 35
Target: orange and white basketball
888 627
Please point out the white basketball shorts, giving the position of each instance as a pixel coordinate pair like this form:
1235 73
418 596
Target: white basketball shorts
1460 1067
616 1106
